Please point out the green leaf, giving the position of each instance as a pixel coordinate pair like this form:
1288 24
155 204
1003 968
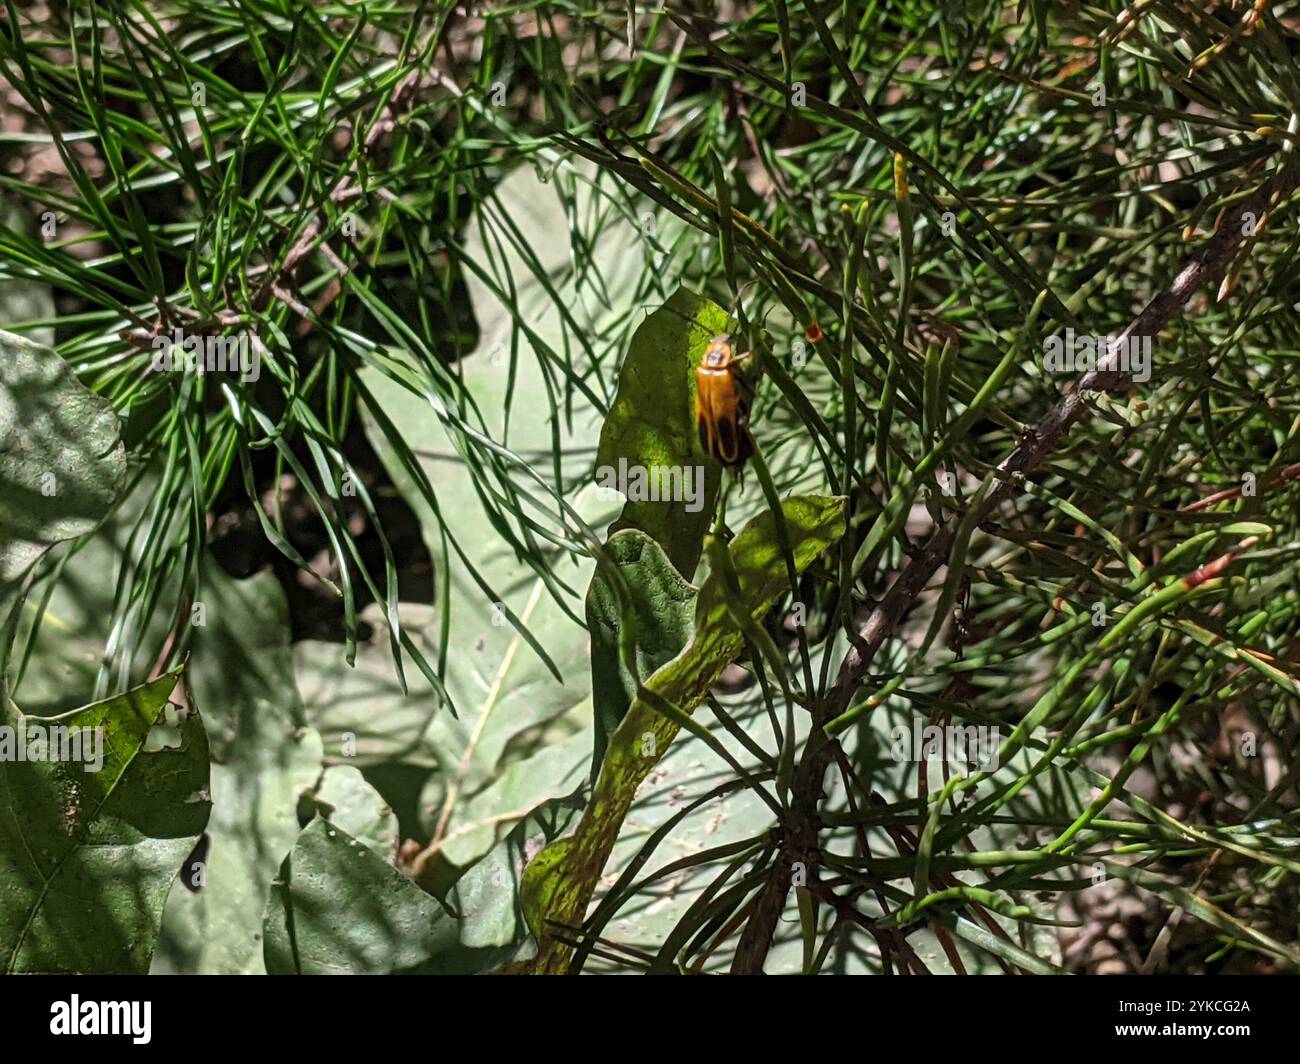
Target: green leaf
554 771
87 857
74 606
652 423
542 890
62 463
509 703
240 679
562 885
489 897
62 466
338 908
347 801
463 763
363 716
662 614
488 930
263 759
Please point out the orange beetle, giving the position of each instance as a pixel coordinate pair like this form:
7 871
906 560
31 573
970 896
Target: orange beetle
722 399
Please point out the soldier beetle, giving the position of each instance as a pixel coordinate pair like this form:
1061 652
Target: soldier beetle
722 399
722 402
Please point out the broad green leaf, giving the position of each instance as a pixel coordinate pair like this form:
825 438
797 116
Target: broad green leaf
347 801
562 886
662 612
651 424
74 604
367 721
240 677
487 897
62 467
361 712
263 760
545 885
392 926
62 463
500 687
87 857
338 908
554 771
